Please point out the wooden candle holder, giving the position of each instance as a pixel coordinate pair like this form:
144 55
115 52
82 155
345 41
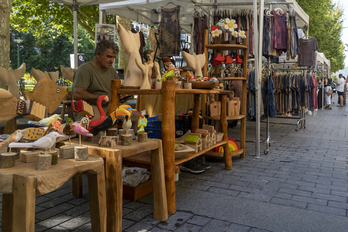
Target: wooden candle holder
142 137
126 139
66 152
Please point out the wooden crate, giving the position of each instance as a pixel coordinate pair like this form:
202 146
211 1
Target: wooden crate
134 193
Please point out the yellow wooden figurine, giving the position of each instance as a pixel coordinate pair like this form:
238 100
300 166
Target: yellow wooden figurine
142 122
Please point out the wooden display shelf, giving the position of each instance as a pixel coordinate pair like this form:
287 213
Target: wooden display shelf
228 117
218 154
159 91
145 158
226 46
231 78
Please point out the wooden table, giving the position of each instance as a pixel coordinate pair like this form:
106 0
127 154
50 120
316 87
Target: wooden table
113 176
168 93
20 184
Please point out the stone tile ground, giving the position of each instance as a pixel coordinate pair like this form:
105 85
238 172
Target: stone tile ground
300 185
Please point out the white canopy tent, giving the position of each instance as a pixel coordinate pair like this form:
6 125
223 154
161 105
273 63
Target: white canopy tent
75 4
149 13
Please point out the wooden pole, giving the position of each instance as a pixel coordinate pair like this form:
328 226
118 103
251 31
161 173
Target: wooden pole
223 124
115 98
206 38
203 107
168 138
195 117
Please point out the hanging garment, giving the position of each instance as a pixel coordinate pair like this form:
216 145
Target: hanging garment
308 52
295 48
309 92
266 38
314 91
152 38
169 32
251 35
268 97
201 24
252 93
279 32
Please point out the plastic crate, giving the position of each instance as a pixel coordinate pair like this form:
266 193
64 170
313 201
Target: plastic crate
183 124
153 133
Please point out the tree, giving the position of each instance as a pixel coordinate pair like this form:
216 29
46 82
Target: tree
5 9
325 24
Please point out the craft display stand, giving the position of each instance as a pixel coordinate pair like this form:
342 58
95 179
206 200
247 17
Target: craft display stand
242 116
20 185
168 93
113 175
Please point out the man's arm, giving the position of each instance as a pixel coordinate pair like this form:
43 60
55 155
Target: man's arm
82 94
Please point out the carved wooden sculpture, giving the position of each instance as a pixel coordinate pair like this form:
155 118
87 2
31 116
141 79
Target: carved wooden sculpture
8 104
158 75
195 62
68 73
11 77
47 93
38 75
131 43
146 69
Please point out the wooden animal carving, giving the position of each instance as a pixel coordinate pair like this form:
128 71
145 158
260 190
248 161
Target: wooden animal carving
47 93
158 75
11 77
38 75
131 43
8 104
68 73
195 62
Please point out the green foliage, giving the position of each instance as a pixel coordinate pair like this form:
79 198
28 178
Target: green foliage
325 24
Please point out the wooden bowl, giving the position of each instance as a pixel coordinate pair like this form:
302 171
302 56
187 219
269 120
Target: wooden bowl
204 84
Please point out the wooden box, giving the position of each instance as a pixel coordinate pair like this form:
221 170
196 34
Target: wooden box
82 108
134 193
219 136
214 109
233 107
37 112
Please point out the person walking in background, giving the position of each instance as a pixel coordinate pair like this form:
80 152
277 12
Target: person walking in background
328 93
340 89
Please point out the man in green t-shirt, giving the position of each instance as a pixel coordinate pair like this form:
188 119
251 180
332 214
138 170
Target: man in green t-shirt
93 78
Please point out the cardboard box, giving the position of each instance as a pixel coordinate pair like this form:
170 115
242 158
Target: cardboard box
134 193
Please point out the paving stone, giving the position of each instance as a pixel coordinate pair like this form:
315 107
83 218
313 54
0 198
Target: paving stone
276 194
237 228
224 191
338 188
302 183
79 201
84 228
57 201
337 204
143 225
286 202
339 193
309 200
329 197
175 221
77 221
255 196
59 228
126 211
214 184
199 220
127 223
188 228
156 229
315 189
78 210
216 226
295 192
53 211
327 209
133 205
59 192
41 199
53 221
140 213
244 189
38 209
258 230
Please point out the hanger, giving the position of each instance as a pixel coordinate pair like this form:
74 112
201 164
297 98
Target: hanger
174 4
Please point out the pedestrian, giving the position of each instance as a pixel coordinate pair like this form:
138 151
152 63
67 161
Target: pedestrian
340 89
328 93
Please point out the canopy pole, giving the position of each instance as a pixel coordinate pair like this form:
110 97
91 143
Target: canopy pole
75 7
100 16
256 55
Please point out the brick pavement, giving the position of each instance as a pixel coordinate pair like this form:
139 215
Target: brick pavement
300 185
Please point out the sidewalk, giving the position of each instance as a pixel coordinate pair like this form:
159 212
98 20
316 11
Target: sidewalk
300 185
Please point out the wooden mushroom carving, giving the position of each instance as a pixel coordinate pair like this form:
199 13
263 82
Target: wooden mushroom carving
195 62
131 43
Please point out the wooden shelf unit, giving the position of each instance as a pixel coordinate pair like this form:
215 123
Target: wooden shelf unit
168 93
218 154
219 48
228 117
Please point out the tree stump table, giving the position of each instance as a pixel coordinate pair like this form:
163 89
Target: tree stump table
20 185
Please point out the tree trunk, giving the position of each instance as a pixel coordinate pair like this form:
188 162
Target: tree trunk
122 56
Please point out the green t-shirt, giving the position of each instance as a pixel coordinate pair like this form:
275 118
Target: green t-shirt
93 80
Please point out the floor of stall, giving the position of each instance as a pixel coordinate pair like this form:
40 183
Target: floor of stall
300 185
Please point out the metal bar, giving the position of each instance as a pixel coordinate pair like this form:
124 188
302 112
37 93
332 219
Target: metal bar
75 7
240 3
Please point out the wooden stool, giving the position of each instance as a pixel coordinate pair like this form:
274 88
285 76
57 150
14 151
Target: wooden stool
20 185
67 103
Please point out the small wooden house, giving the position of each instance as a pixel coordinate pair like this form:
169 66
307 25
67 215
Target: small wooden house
194 140
206 138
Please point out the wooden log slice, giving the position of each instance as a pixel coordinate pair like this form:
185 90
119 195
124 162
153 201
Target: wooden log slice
108 141
54 154
126 140
66 152
29 156
112 132
43 161
187 85
7 160
81 153
142 137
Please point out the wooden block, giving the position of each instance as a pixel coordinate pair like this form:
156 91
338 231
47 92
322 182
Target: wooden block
230 108
219 136
112 132
43 161
215 109
54 155
7 160
37 112
29 157
142 137
108 141
66 152
81 153
126 140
